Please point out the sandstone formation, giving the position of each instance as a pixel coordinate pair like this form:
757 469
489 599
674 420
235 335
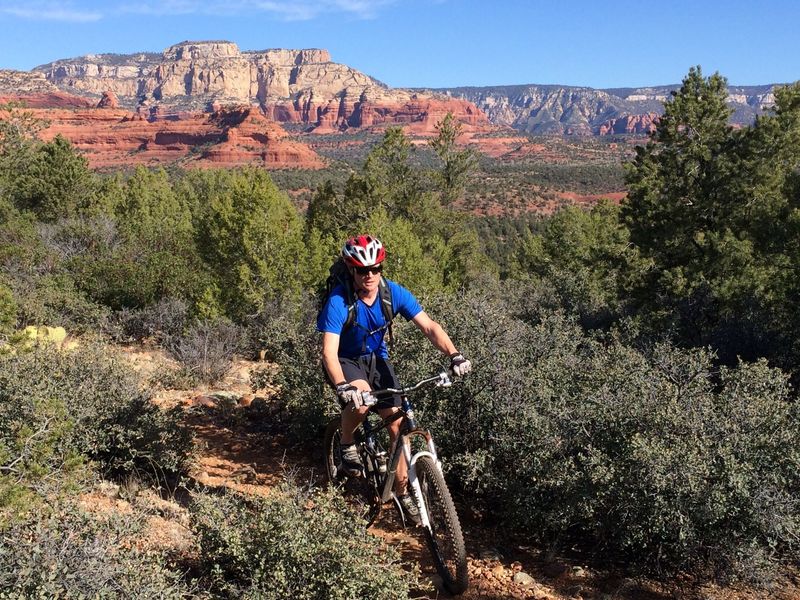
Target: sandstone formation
109 100
295 86
629 125
306 87
24 83
47 100
113 137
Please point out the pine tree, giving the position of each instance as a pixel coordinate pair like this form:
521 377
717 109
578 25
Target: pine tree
715 211
458 164
678 184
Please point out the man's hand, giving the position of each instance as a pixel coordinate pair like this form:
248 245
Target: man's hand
347 393
459 365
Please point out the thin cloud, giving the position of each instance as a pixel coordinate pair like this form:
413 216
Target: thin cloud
287 10
50 12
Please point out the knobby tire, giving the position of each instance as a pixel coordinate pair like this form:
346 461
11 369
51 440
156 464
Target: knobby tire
444 537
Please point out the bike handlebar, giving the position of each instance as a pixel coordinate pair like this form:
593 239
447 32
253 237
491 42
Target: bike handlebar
441 379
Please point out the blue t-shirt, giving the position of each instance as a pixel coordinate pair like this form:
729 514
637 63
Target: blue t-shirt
367 333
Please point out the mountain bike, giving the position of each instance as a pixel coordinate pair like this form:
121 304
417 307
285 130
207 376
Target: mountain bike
437 514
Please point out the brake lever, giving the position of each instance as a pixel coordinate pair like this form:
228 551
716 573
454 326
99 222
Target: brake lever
444 380
364 399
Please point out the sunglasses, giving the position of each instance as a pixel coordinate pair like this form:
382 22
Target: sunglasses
375 270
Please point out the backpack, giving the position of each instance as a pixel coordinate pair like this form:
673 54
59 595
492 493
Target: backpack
340 275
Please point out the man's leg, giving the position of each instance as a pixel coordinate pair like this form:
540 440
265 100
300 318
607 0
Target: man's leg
401 475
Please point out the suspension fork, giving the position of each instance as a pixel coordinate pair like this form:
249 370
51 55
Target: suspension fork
413 481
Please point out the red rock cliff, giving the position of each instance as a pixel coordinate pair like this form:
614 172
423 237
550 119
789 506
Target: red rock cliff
113 137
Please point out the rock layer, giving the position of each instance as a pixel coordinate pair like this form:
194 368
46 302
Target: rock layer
629 125
567 110
113 137
297 86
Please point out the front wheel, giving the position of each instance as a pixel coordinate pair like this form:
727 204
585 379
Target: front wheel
359 491
444 537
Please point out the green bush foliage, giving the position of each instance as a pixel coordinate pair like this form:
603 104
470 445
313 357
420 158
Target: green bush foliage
33 258
62 552
143 253
54 182
585 257
293 544
651 457
59 410
252 241
161 321
8 309
286 332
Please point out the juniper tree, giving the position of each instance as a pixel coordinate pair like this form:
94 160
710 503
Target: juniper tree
715 211
458 164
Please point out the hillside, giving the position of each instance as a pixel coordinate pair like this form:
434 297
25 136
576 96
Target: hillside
629 428
569 110
305 86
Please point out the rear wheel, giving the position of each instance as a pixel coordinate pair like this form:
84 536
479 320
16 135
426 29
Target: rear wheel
359 491
444 537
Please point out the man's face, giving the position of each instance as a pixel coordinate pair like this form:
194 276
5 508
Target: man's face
367 278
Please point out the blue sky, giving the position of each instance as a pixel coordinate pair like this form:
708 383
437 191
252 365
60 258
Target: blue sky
439 43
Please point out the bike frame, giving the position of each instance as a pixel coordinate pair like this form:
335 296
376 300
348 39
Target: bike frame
408 429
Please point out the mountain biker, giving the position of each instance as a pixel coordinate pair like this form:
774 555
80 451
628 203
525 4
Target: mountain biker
356 358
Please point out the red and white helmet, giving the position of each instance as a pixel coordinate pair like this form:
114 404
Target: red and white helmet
363 251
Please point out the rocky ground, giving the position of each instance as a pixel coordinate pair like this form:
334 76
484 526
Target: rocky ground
241 448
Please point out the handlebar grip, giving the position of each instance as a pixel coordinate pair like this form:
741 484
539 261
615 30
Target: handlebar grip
365 399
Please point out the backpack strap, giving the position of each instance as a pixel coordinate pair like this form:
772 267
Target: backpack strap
351 300
385 296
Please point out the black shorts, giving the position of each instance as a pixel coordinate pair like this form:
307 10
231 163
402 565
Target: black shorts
376 371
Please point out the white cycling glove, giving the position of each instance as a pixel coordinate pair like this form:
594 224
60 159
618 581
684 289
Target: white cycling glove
459 365
348 393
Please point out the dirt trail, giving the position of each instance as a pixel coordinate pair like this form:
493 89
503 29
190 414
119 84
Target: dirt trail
241 448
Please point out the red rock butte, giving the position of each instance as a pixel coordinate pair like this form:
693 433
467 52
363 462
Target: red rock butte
210 104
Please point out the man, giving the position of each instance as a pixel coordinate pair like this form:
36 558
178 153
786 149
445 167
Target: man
356 357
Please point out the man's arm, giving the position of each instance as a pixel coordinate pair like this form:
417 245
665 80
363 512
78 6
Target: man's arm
330 357
434 332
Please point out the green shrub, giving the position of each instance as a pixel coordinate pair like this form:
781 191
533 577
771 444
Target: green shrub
54 300
32 259
250 237
8 309
293 544
65 553
60 409
55 182
161 321
585 257
285 332
654 458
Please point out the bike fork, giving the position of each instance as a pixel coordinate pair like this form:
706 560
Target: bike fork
414 483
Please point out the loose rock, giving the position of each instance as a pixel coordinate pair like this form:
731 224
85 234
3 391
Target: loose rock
491 554
523 579
499 571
